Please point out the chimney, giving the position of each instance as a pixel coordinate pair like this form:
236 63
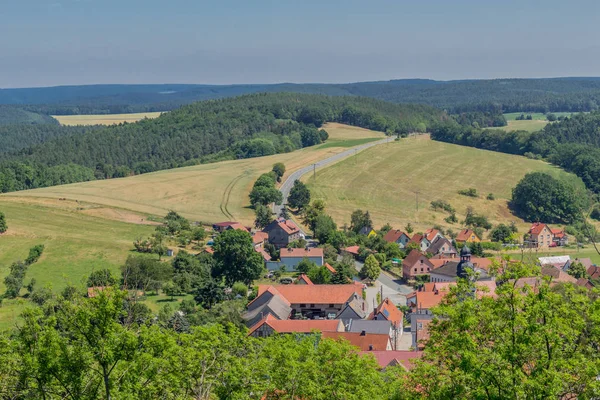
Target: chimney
370 347
363 333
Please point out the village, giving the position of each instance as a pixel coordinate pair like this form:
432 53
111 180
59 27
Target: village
387 317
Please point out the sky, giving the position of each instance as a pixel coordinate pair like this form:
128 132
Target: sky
72 42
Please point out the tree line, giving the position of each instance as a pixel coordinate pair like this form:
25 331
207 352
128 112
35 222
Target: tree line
247 126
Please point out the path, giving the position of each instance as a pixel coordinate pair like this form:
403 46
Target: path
289 182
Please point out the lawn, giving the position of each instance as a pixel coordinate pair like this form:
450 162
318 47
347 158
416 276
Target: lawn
387 179
201 192
104 119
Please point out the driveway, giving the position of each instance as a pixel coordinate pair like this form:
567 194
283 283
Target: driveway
289 182
392 287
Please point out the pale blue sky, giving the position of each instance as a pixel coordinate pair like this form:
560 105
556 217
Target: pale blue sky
57 42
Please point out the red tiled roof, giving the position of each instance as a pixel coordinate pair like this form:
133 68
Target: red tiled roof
558 275
310 252
594 272
288 226
537 228
402 357
430 234
262 289
315 294
259 237
585 283
428 287
330 268
558 233
237 225
416 238
298 325
427 300
366 342
465 235
393 235
209 250
389 311
226 223
412 258
306 279
266 256
352 249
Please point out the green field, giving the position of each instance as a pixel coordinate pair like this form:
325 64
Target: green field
104 119
210 192
538 121
385 180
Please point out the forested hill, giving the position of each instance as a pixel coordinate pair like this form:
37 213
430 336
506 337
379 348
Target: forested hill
507 95
13 115
242 127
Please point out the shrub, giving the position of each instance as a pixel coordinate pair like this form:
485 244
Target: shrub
491 196
442 205
471 192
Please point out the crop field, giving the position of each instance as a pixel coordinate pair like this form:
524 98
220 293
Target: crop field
209 192
104 119
387 180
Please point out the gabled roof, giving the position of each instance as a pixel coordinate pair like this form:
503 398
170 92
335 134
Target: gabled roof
330 268
262 289
404 358
417 238
310 252
586 262
413 257
266 256
304 278
356 306
299 325
286 225
259 237
389 311
237 225
465 235
558 275
558 233
585 283
427 300
366 342
437 245
315 294
365 230
537 228
226 223
554 260
393 235
430 234
352 249
280 307
370 326
594 272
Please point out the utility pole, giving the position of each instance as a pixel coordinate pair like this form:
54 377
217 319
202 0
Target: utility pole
417 199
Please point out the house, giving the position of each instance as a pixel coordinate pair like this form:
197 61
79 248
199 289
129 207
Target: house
268 302
223 226
451 271
352 310
559 237
557 275
259 239
266 256
351 250
364 341
367 230
281 233
561 262
432 234
303 279
312 300
387 311
539 236
467 235
270 325
404 358
419 329
421 240
594 272
380 327
415 264
585 283
330 268
398 237
442 247
290 258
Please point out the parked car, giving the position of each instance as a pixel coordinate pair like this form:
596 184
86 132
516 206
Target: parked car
286 280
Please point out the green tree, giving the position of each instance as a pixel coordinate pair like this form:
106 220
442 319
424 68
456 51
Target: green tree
143 273
279 169
263 216
319 275
101 277
209 293
299 196
14 280
239 289
265 195
501 233
235 258
199 234
324 227
3 225
305 265
359 220
541 197
577 270
370 269
34 254
409 228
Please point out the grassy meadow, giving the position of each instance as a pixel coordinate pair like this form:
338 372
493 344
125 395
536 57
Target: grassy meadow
386 179
201 192
104 119
538 121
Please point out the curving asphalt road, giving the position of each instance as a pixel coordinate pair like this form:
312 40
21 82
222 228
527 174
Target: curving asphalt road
289 182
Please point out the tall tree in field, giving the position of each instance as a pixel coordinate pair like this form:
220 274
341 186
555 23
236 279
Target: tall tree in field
236 259
299 196
3 225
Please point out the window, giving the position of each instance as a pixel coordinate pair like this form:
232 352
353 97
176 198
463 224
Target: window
302 305
415 270
421 261
421 269
331 305
312 306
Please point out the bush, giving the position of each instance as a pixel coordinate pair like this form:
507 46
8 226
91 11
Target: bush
491 196
34 254
471 192
442 205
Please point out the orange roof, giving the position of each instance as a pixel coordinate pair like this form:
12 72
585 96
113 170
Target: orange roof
237 225
464 235
259 237
330 268
537 228
226 223
93 291
365 342
266 256
306 279
352 249
428 287
298 325
402 357
594 272
271 289
209 250
428 300
412 258
315 294
389 311
288 226
558 275
416 238
393 235
430 234
310 252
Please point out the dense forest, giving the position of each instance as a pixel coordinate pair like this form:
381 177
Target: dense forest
506 95
242 127
10 115
573 144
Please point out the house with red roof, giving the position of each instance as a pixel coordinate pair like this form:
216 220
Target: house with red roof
259 239
404 358
281 233
559 237
398 237
467 236
539 236
270 325
352 250
387 311
223 226
364 341
303 279
415 264
290 258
